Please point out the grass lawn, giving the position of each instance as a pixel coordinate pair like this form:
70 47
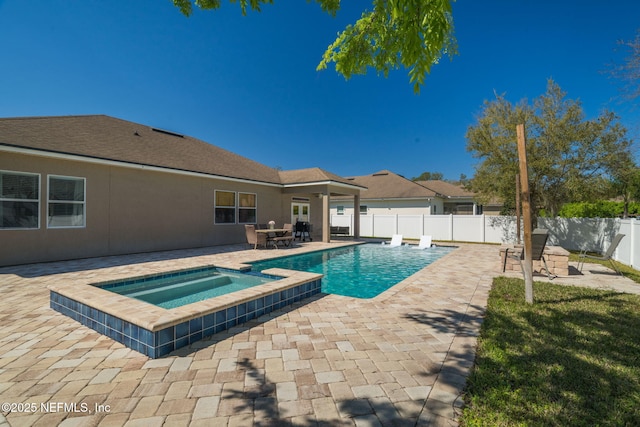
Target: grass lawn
570 359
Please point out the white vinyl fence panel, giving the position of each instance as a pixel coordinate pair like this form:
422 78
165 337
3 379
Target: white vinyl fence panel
344 221
593 234
500 229
468 228
439 227
366 226
385 225
625 252
410 226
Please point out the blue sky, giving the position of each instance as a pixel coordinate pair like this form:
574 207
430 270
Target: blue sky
248 84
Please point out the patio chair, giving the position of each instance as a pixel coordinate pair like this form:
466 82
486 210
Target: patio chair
286 237
396 241
606 256
254 238
425 243
539 238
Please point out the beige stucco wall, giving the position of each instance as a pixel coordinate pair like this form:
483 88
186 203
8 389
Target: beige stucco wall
129 210
315 211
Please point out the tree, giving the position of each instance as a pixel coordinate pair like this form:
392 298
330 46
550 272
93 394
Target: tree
626 184
428 176
569 158
629 71
599 209
412 34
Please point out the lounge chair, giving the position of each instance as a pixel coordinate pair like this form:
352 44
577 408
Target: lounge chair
606 256
396 241
425 242
254 238
539 238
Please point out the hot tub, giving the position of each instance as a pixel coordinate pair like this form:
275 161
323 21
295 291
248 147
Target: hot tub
154 330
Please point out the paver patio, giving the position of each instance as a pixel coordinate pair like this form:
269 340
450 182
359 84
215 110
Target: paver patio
398 359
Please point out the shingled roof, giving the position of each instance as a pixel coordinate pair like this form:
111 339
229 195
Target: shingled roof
388 185
310 175
108 138
446 188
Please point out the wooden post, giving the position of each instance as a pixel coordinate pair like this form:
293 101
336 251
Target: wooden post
527 263
518 239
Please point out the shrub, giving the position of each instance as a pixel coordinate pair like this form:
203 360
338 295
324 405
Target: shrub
600 209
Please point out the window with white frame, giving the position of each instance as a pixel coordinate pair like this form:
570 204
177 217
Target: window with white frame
66 205
247 209
340 210
225 207
363 209
235 208
19 200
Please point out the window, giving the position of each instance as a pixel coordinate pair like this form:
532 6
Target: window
66 204
247 209
340 210
225 207
363 209
464 209
19 200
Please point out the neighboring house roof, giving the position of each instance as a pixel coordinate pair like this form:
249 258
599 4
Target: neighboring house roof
388 185
446 189
107 138
455 191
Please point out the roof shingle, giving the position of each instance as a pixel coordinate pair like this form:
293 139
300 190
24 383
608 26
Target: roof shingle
388 185
312 175
446 188
108 138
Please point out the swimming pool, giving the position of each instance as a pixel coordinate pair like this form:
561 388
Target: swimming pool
175 290
361 271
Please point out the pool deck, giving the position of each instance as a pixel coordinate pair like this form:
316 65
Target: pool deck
398 359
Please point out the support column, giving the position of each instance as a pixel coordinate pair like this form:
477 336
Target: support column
356 216
326 219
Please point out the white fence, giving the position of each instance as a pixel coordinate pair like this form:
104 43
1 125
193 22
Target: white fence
593 234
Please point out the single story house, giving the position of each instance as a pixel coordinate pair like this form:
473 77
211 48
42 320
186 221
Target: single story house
392 194
389 193
457 200
87 186
392 204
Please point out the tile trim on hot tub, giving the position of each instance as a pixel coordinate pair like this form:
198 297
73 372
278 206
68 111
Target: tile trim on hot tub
155 331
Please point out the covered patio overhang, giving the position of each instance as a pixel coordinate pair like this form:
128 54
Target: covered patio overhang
327 189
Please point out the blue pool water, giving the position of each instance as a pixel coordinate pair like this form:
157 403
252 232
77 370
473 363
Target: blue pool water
361 271
186 287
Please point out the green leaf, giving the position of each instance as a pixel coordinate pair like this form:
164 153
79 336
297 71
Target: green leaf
412 34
